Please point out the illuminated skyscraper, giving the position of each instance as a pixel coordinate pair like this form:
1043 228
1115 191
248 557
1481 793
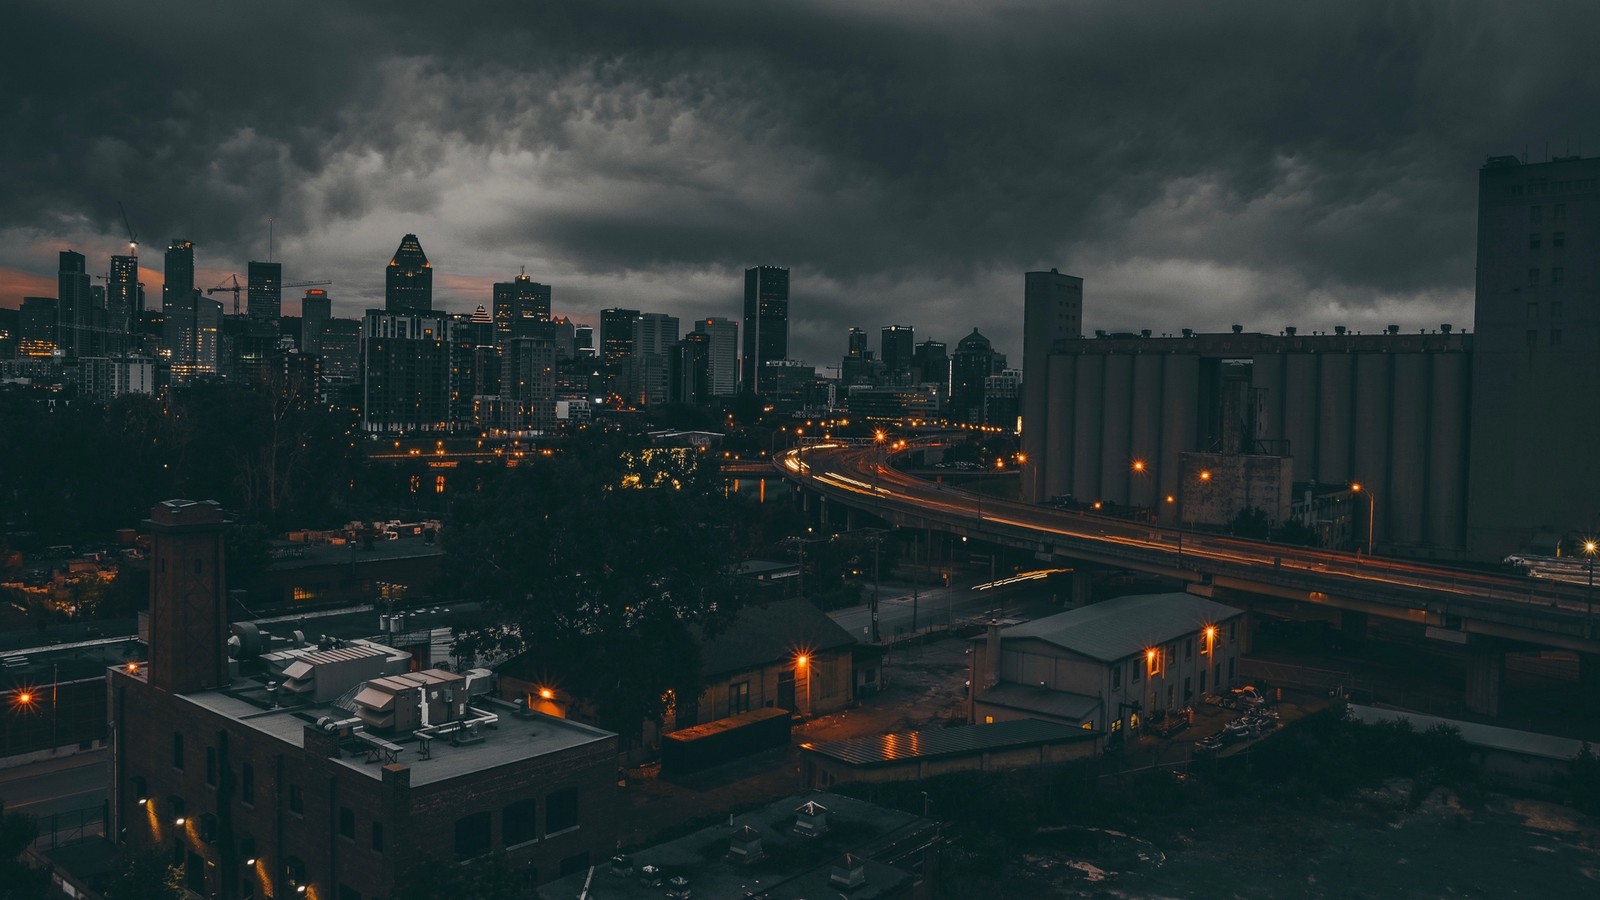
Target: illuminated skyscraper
518 304
124 300
722 355
766 321
408 280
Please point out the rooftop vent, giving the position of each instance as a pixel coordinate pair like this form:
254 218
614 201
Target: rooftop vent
1100 333
1445 328
1289 330
849 871
678 888
1393 329
650 876
744 847
1238 329
811 820
1338 329
622 866
1144 332
1188 332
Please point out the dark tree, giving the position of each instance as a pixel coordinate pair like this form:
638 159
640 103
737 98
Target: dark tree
1251 522
602 560
18 881
146 875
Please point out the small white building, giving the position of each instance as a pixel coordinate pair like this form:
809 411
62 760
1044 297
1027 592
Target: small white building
1107 666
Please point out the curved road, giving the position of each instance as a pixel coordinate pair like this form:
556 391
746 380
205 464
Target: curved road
1433 595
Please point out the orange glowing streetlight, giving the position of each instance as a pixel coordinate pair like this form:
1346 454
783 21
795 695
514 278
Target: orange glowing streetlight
1357 487
546 694
1205 474
1211 638
1139 466
24 698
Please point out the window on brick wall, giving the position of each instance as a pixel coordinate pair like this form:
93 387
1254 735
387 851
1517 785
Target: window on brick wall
377 837
211 766
347 822
472 835
519 822
1116 677
561 810
247 783
297 803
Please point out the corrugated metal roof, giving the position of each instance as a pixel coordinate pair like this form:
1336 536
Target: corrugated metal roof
1046 702
1125 626
887 748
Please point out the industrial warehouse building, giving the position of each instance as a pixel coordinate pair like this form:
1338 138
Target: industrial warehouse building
1467 446
1109 666
270 767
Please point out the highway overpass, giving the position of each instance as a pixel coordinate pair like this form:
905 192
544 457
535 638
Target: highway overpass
1486 614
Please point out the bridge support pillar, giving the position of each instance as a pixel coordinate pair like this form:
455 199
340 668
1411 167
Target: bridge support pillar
1082 589
849 519
1486 673
1353 625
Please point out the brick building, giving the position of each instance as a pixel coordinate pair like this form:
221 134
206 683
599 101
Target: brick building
275 768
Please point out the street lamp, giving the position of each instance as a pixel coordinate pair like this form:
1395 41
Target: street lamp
1589 548
1372 508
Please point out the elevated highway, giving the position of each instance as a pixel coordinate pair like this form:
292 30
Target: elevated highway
1484 613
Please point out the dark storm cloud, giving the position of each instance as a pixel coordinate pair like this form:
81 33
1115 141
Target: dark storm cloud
1198 164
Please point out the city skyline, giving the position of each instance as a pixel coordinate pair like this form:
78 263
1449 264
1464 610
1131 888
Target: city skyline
907 167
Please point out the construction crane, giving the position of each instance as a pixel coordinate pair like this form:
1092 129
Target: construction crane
232 284
133 239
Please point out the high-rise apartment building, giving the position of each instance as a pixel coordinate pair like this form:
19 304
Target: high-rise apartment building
766 322
407 376
74 305
194 336
1535 476
722 355
37 327
265 291
178 279
408 280
1052 310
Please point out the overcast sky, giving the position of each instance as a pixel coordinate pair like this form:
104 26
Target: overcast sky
1198 164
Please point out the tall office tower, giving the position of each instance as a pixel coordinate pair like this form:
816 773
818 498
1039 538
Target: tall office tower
1535 474
408 280
519 305
178 281
654 337
406 363
689 376
264 294
341 350
194 335
1052 310
616 333
124 299
722 356
974 361
766 322
856 367
72 305
930 363
583 340
316 308
896 347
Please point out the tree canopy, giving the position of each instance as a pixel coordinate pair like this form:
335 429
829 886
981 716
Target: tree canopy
601 560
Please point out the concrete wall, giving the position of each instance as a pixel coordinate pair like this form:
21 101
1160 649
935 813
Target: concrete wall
819 771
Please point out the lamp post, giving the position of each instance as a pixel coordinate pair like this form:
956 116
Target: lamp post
1589 548
1372 509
